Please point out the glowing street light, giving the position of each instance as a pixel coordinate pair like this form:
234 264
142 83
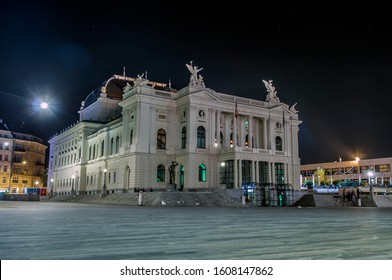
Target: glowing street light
73 183
51 187
44 105
104 192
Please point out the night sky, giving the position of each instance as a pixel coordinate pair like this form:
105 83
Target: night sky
336 63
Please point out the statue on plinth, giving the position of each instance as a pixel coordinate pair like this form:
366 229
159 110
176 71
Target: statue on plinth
172 172
195 79
272 94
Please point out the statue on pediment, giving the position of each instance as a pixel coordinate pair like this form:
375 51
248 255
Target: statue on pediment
127 87
272 94
292 108
195 79
140 81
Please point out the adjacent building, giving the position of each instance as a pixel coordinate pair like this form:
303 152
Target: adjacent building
22 160
363 171
134 133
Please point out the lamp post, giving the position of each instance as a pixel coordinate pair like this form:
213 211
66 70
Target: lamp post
73 183
104 192
51 187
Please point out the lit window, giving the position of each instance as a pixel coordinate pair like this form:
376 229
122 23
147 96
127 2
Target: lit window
202 173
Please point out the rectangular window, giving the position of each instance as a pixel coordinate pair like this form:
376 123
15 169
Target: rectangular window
1 157
4 180
311 172
5 168
337 171
383 168
114 177
365 169
5 157
15 180
227 173
279 173
263 172
246 171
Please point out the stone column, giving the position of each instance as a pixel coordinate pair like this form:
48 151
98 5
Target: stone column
218 125
212 129
250 131
239 173
265 134
234 131
254 171
235 173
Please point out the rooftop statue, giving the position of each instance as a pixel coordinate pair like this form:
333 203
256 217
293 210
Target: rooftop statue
140 81
128 87
195 79
292 108
271 96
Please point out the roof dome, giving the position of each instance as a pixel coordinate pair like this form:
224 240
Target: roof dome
113 87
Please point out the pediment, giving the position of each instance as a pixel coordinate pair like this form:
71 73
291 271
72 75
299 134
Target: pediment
204 95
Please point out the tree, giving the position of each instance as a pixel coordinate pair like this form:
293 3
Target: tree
320 175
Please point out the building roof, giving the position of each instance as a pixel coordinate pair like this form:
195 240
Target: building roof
114 87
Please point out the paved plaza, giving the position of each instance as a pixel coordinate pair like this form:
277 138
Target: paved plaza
63 230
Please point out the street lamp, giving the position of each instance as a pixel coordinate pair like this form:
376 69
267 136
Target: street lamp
51 187
104 183
73 183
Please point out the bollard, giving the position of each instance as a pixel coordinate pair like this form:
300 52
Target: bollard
243 200
140 198
359 202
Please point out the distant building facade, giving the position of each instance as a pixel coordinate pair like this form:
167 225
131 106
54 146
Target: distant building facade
22 160
364 171
134 133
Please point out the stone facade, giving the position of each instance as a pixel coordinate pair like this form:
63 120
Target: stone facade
131 130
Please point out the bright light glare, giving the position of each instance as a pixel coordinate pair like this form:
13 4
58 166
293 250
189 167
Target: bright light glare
44 105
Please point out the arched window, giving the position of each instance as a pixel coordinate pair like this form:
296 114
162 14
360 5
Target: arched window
278 144
183 138
161 173
202 173
102 147
201 137
117 144
111 146
221 138
161 139
246 141
131 137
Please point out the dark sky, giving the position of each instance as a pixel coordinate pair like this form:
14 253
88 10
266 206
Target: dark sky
336 63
